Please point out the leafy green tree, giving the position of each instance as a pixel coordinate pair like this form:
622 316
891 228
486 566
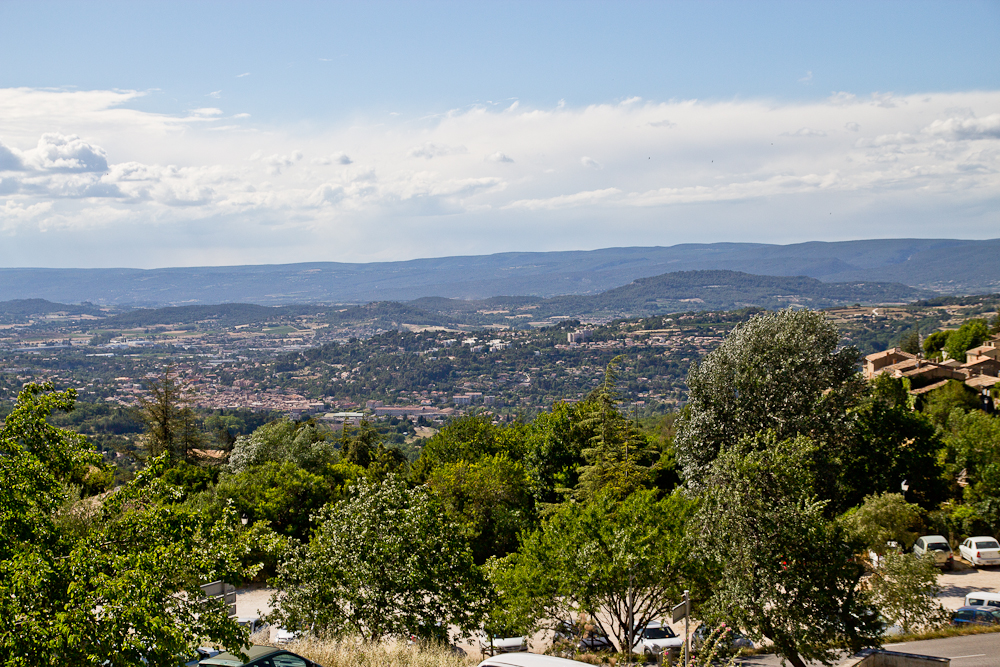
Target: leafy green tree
934 343
101 582
364 447
972 455
880 519
554 443
490 498
622 562
282 496
971 334
787 573
891 444
385 561
779 371
467 439
940 404
905 590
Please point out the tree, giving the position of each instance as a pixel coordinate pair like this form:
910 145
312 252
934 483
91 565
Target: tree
385 561
940 404
934 343
972 454
491 499
171 425
880 519
779 371
622 562
466 439
111 581
617 451
787 573
971 334
911 342
904 589
280 441
891 444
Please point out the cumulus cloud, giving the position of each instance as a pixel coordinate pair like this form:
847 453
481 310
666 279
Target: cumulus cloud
275 164
499 157
431 150
79 160
967 128
10 160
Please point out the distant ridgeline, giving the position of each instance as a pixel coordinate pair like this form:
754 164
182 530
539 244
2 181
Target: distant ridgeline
683 291
949 266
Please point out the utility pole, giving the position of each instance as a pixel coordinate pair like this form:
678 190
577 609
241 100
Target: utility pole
687 635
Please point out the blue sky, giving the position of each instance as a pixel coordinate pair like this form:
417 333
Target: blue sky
172 133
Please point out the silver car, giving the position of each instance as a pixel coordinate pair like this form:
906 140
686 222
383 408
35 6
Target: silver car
939 547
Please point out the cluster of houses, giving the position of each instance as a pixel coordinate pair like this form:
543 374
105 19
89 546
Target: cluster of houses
980 370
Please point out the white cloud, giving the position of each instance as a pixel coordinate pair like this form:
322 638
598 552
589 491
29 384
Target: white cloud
431 150
83 160
240 76
499 157
967 128
807 78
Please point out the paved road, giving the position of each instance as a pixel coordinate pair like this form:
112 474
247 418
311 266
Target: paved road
967 651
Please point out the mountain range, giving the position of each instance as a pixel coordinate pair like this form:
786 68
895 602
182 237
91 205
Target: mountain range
949 266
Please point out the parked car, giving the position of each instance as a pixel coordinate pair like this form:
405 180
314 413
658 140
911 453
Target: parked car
528 660
736 641
252 623
259 656
200 654
939 547
495 644
982 599
585 637
976 616
980 551
656 638
283 636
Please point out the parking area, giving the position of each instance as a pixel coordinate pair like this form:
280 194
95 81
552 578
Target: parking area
964 579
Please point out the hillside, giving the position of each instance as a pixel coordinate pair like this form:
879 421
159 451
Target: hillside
945 265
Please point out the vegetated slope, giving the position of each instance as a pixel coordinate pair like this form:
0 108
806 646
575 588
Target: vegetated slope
954 266
19 310
224 314
669 293
729 290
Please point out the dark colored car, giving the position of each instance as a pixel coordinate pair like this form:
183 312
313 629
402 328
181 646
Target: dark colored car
260 656
735 642
976 616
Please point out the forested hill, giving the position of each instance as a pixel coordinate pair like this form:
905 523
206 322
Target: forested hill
729 290
683 291
949 266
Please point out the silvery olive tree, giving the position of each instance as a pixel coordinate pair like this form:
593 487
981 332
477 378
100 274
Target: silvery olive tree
782 372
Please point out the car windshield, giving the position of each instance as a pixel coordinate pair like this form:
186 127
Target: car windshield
987 544
658 633
938 546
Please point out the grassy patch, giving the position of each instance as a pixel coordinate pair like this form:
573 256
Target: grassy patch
350 653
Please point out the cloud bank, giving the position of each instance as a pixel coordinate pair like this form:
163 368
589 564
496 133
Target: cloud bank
211 187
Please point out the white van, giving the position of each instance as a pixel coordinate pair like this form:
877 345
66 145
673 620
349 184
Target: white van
982 599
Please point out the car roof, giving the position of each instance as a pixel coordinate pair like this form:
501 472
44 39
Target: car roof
983 537
977 608
934 538
231 660
527 660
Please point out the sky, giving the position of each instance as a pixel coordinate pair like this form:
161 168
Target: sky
154 134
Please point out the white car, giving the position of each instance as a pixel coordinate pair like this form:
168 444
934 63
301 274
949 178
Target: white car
656 638
980 551
494 645
939 547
